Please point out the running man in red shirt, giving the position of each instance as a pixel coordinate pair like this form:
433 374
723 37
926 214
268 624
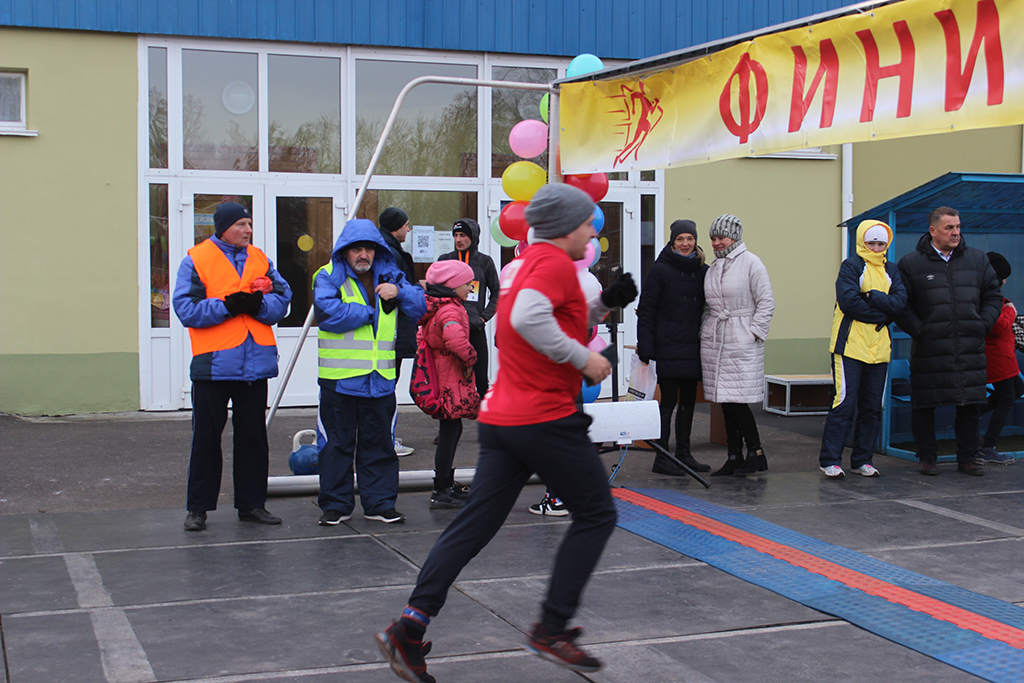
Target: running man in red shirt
530 423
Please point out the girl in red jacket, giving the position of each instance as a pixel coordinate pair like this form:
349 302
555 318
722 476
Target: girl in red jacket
445 328
1003 372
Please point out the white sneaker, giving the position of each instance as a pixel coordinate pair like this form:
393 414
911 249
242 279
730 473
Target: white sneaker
402 451
867 471
833 471
550 506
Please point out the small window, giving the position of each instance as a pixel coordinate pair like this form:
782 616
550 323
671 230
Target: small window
12 103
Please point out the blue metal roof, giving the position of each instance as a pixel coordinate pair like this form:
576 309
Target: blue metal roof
611 29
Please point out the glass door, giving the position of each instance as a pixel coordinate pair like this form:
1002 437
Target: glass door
619 240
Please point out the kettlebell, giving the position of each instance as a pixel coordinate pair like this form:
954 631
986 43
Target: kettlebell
305 459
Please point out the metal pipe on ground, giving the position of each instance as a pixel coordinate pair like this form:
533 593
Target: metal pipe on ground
409 480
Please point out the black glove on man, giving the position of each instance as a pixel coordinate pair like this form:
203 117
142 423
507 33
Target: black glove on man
254 303
387 305
237 303
619 293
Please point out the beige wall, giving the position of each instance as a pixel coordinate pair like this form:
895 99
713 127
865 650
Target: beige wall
789 209
68 220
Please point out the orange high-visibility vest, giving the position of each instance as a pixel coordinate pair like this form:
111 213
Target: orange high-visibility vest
221 279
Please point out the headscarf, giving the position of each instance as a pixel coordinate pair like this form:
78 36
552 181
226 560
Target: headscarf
875 276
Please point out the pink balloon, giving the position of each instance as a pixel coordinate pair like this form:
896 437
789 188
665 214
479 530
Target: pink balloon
596 344
588 258
521 247
529 138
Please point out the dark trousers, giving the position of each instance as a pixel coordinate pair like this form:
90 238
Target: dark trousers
1000 402
250 450
739 427
965 426
448 434
684 392
478 340
560 452
858 404
358 431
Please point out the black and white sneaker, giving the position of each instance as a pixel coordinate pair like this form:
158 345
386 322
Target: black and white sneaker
388 516
332 517
550 506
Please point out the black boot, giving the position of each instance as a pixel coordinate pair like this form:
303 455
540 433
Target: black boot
729 468
756 462
663 465
692 463
446 499
462 490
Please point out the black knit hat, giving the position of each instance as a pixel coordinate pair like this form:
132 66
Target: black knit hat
227 214
681 226
393 219
1000 264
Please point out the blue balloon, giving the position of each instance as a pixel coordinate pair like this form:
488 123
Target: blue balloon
583 64
590 394
598 218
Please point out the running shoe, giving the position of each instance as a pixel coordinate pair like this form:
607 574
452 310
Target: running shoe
833 471
867 470
561 649
550 506
404 655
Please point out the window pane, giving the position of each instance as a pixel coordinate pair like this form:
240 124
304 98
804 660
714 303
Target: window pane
158 107
649 247
647 176
435 132
509 107
304 243
610 238
205 205
10 98
305 114
219 110
439 209
159 287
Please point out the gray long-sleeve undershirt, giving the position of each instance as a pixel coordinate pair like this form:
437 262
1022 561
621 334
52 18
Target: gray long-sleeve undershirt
533 318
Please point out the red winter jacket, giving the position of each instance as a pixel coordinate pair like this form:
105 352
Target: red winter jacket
446 330
999 347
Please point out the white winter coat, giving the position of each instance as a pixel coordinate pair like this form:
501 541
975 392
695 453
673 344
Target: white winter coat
739 310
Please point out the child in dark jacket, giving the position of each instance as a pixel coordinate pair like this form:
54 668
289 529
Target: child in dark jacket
1002 371
445 329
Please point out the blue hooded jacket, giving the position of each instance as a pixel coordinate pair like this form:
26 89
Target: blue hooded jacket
333 315
249 361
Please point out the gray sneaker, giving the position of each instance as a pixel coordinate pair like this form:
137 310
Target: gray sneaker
989 456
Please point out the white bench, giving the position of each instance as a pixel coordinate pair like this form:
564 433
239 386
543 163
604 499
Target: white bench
798 394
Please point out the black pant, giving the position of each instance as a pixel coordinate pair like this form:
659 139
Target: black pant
448 434
478 340
1004 394
684 392
560 452
739 427
251 452
965 426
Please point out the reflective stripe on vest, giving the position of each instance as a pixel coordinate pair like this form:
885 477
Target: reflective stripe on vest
358 352
220 278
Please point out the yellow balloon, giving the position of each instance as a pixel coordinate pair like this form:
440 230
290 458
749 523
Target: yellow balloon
522 179
604 244
305 243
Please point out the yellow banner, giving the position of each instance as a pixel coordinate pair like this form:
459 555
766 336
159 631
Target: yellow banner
911 68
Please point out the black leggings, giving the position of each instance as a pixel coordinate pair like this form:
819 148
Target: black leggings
448 434
684 392
739 427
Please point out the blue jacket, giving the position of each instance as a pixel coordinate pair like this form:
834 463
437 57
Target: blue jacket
335 316
249 361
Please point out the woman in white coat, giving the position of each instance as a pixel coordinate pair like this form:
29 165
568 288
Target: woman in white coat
739 310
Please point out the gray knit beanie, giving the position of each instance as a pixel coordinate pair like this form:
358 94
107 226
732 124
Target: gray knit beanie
558 209
727 225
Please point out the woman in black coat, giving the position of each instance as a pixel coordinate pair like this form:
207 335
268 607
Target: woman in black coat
668 331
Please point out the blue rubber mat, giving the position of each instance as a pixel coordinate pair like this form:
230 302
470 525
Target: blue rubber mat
978 634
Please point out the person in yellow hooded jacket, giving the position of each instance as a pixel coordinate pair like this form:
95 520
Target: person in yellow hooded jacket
869 295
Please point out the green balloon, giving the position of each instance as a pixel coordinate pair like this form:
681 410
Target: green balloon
544 107
499 236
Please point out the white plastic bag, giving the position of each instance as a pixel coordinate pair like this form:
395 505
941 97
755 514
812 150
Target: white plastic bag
643 380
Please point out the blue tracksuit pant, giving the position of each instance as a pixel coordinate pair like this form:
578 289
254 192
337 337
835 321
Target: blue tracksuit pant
857 404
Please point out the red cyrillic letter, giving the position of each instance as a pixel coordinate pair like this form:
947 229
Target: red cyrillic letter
904 69
828 67
987 29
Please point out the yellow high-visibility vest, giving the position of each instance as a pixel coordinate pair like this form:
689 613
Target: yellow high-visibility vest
361 351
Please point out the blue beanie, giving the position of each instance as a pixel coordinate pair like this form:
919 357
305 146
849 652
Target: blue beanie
228 214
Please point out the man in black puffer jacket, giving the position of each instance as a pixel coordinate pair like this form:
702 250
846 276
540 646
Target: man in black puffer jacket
953 299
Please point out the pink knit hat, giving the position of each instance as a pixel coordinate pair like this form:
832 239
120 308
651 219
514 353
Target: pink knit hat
449 273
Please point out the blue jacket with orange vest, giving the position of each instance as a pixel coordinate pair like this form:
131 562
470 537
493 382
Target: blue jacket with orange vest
334 315
248 361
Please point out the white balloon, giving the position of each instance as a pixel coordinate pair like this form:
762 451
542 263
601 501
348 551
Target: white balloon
589 283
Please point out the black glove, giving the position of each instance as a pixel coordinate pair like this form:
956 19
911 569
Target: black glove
619 293
387 305
237 303
254 303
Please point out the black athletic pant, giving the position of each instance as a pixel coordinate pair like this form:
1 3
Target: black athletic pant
684 392
251 452
739 427
560 452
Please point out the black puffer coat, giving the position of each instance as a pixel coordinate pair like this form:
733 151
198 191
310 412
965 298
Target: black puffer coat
405 340
669 312
951 306
483 302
